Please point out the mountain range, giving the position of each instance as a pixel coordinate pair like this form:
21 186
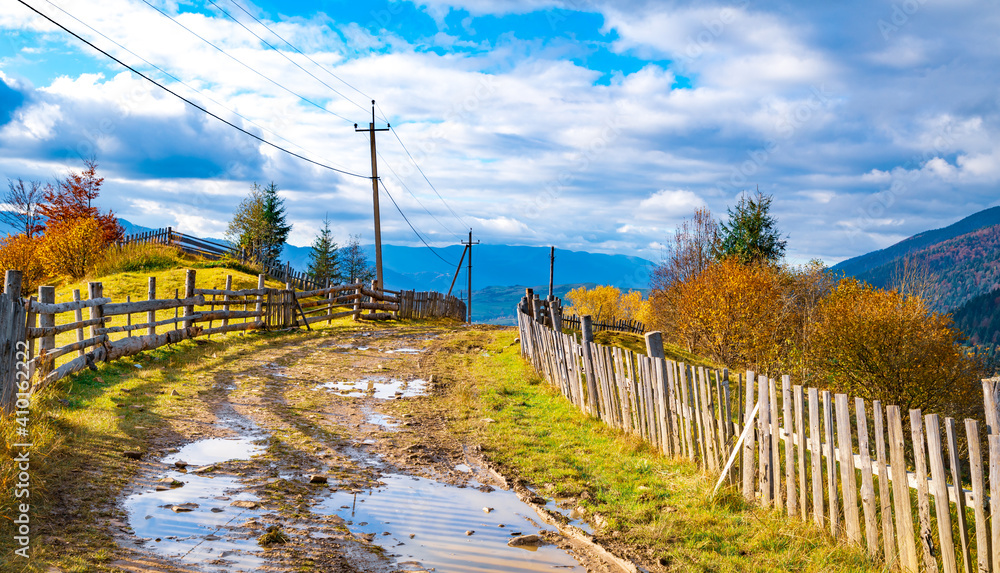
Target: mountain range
962 263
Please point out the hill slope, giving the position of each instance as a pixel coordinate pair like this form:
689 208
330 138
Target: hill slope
889 255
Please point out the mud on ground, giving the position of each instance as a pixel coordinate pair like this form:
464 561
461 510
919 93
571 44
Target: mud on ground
351 408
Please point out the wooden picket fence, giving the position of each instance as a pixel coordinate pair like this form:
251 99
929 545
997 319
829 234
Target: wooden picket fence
915 504
628 326
197 312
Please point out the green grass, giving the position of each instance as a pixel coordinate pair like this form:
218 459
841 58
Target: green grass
661 507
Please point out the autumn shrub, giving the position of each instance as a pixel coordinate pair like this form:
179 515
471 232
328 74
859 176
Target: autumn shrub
71 247
733 313
133 258
883 345
19 252
605 303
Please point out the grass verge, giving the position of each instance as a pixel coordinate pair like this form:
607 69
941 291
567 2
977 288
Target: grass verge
651 508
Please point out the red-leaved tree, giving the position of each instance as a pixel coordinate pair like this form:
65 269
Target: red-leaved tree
72 198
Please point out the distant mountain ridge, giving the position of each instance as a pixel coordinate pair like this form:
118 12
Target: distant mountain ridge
860 264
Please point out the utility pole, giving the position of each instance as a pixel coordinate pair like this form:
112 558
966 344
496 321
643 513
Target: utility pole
552 268
378 226
469 270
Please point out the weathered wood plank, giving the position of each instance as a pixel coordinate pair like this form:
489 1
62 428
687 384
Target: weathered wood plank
983 551
956 478
884 499
923 496
791 495
831 469
800 440
901 492
942 506
867 483
748 460
816 457
848 480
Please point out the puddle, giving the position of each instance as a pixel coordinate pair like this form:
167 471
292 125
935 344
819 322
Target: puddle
405 350
380 420
210 532
380 387
438 516
215 450
200 536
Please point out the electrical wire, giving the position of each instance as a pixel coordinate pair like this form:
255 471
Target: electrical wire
282 54
424 175
292 46
186 100
180 81
412 228
238 61
415 198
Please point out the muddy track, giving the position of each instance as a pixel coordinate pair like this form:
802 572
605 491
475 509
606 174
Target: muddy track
395 494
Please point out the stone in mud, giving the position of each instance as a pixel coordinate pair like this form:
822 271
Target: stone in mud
317 478
527 541
174 392
171 482
470 532
217 510
180 464
487 509
133 455
203 469
183 507
245 504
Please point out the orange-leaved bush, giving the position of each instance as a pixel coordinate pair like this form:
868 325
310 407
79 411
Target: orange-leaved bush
883 345
20 252
72 247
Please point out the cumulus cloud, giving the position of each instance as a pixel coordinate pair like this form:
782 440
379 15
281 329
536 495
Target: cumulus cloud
859 134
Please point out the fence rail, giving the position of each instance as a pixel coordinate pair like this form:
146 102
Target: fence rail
628 326
805 452
59 341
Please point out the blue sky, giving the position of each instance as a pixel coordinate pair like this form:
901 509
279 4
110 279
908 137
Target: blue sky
584 124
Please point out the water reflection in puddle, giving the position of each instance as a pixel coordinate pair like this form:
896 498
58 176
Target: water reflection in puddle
380 387
438 516
405 350
381 420
201 535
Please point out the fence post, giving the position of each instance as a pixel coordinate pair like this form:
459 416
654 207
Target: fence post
151 314
991 402
189 276
357 302
78 315
47 295
260 297
11 334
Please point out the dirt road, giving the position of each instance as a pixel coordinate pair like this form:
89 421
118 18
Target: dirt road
315 455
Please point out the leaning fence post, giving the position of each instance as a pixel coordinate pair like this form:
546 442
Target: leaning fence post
588 363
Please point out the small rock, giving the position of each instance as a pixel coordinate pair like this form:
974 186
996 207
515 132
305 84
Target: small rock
174 392
203 469
180 464
317 478
217 510
487 509
171 482
489 421
526 540
516 340
245 504
469 532
183 507
412 535
133 455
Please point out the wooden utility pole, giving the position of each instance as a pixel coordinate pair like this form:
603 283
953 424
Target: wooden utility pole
469 270
378 227
457 269
552 268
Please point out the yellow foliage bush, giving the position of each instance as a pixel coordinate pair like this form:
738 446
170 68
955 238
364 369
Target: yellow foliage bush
605 303
71 247
882 345
19 252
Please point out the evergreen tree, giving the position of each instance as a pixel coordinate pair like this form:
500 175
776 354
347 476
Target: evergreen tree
751 234
354 264
276 228
258 227
323 265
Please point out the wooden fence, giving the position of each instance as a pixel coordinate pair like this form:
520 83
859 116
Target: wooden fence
629 326
209 249
916 503
60 341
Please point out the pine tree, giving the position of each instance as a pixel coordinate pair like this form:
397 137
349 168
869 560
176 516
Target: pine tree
354 263
751 234
258 226
276 228
323 265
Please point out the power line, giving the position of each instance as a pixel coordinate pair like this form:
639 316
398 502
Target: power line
424 175
237 60
412 228
282 54
415 198
178 80
186 100
292 46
